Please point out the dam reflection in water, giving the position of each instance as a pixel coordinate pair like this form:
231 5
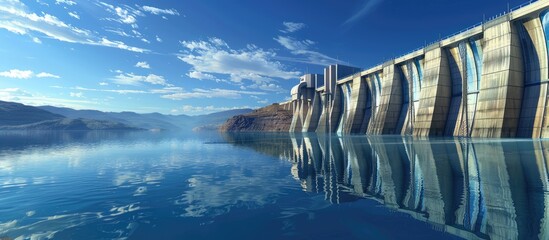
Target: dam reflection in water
476 189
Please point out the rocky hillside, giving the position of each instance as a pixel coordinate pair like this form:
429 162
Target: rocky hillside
12 114
272 118
16 116
152 120
71 124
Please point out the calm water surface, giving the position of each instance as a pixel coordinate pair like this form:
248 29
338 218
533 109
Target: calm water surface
116 185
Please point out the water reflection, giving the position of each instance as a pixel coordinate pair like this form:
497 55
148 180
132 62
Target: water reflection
496 189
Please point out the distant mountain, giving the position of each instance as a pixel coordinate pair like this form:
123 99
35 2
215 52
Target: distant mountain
12 114
146 121
16 116
219 118
19 116
152 120
71 124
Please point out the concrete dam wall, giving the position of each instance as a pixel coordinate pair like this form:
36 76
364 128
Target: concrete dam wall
488 81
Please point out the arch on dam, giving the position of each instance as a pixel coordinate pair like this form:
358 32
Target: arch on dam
346 90
533 41
369 104
411 77
375 89
465 61
403 122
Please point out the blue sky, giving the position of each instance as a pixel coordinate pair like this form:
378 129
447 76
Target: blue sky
201 56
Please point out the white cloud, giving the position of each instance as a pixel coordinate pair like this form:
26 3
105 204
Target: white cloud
302 48
158 39
206 109
42 3
200 75
68 2
15 18
123 14
74 15
167 90
178 93
25 74
211 93
36 40
16 73
117 44
252 63
12 94
292 27
145 40
118 32
143 65
271 87
158 11
103 84
218 42
25 97
260 100
119 91
76 94
133 79
293 44
46 75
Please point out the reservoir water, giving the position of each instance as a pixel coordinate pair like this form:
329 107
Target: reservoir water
144 185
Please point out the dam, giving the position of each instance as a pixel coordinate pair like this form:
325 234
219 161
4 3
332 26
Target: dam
490 80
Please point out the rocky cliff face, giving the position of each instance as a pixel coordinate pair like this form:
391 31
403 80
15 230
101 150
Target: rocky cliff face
272 118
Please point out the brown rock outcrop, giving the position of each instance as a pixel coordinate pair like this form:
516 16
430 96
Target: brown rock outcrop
272 118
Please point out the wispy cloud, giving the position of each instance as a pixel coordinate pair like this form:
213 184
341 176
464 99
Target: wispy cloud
25 97
68 2
271 87
260 100
178 93
216 57
74 15
368 6
25 74
291 27
158 11
16 73
143 65
37 40
46 75
119 91
207 109
211 93
200 75
15 18
76 94
136 80
167 90
123 14
302 48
